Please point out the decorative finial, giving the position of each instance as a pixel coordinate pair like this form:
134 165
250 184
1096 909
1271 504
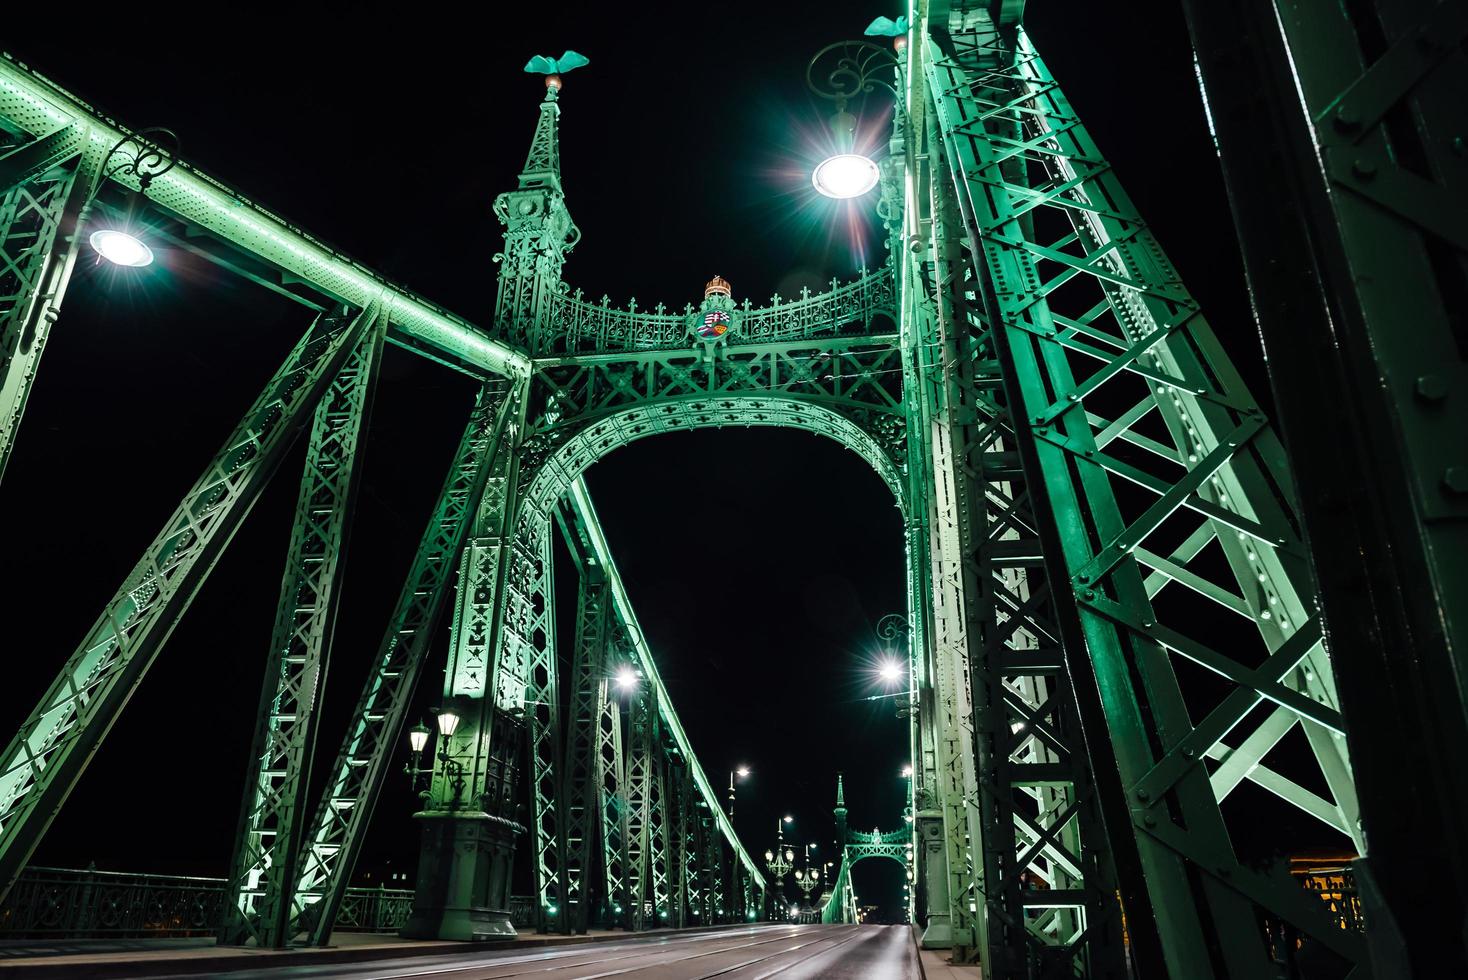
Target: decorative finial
840 791
554 68
717 285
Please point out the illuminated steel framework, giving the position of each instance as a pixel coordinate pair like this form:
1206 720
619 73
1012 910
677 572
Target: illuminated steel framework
1114 622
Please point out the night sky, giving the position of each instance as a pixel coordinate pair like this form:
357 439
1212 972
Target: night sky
759 561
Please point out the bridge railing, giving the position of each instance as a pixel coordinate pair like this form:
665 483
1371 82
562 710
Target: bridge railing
70 903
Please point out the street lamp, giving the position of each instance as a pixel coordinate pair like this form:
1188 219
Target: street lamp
626 678
742 772
839 73
448 723
145 154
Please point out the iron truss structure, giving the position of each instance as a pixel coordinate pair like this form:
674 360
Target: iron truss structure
1126 623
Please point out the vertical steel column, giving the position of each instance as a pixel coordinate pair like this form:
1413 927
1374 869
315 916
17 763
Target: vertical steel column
42 214
487 681
611 781
580 773
658 827
641 732
363 761
1340 128
266 859
57 740
530 626
678 856
694 880
954 597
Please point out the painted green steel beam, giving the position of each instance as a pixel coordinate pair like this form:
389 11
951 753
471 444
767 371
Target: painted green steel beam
258 894
371 742
1013 144
1339 130
40 217
42 108
586 515
57 740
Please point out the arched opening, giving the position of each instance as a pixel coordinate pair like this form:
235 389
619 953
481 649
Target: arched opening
759 563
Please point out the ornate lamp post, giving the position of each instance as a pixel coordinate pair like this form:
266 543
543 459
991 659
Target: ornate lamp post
780 860
448 723
840 73
144 155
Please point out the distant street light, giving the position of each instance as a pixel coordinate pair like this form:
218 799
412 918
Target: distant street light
742 772
626 678
906 772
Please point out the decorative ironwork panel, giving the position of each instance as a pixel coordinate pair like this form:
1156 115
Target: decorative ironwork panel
854 308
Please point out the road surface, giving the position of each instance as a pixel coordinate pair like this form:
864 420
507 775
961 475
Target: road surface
789 952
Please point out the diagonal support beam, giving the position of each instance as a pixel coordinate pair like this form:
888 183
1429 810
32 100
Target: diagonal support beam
578 500
41 218
55 743
258 903
341 819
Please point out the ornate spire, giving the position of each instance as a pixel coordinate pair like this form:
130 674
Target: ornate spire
840 793
543 162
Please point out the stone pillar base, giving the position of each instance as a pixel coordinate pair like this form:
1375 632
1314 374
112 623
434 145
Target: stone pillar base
464 869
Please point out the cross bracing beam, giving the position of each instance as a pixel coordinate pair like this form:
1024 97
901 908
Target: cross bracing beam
55 743
42 206
1046 223
257 904
362 763
580 509
1348 199
39 107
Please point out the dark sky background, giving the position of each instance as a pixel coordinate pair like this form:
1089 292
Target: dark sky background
759 560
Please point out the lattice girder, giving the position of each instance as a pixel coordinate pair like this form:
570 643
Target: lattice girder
361 764
1149 450
41 218
57 740
263 871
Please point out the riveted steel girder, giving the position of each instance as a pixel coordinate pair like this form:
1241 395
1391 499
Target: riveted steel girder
1340 133
363 761
42 211
41 108
258 904
1136 431
56 741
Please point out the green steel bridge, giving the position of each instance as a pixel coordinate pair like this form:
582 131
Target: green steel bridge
1078 463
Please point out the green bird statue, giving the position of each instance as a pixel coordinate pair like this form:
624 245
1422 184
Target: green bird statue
887 27
554 68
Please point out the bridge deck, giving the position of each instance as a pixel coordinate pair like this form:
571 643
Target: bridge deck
793 952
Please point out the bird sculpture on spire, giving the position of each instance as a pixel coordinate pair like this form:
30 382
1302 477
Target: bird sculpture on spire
554 68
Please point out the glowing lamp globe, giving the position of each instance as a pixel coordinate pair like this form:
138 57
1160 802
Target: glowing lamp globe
626 678
448 723
120 248
890 670
418 737
845 175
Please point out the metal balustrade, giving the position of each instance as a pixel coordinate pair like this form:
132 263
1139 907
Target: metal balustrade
70 903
